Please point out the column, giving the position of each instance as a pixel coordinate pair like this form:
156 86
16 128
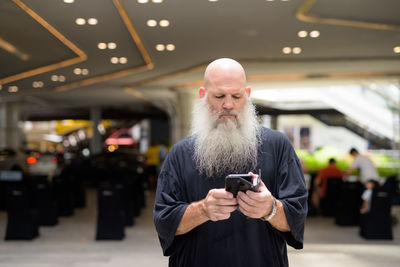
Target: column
95 142
10 134
186 102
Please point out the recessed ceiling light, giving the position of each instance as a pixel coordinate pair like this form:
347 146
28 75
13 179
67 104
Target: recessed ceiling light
69 1
112 45
13 89
170 47
314 34
164 23
77 71
92 21
151 23
270 0
123 60
157 1
114 60
396 49
85 71
102 46
296 50
37 84
302 34
54 78
160 47
61 78
287 50
80 21
212 0
142 1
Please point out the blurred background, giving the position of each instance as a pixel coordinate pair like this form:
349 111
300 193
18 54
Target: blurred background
93 93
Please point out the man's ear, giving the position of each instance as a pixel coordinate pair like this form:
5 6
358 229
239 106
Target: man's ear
248 91
202 92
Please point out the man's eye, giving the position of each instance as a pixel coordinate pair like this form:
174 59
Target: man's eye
219 96
236 96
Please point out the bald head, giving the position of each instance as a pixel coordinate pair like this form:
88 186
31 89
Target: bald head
224 69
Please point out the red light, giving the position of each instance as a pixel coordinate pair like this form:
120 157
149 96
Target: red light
54 160
31 160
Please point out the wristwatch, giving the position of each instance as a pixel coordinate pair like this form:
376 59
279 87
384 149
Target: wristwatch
273 212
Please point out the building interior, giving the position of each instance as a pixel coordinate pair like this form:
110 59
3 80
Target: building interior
88 86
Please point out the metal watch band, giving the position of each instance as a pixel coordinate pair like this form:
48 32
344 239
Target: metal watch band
273 212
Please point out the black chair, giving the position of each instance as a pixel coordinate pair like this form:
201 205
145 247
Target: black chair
348 208
330 203
377 223
22 220
64 195
110 217
43 201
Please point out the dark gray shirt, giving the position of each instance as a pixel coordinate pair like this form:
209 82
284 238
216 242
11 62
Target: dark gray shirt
238 241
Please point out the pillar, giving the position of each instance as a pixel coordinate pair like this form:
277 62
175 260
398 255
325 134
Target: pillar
95 142
10 134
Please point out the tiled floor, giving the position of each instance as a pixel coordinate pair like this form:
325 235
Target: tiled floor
71 243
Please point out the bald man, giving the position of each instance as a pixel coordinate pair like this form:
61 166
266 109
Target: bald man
198 222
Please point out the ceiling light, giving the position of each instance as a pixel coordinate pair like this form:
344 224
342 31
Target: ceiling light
142 1
69 1
164 23
396 49
302 34
151 23
314 34
287 50
296 50
61 78
123 60
54 78
160 47
85 71
13 89
102 46
37 84
92 21
77 71
157 1
80 21
114 60
212 0
170 47
112 45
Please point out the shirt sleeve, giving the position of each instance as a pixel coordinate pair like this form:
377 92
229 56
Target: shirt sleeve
293 194
169 207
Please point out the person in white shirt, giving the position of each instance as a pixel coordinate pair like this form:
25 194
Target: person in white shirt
364 165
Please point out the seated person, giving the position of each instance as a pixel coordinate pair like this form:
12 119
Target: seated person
366 196
321 181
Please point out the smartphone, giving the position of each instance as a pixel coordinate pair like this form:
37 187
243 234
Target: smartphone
241 182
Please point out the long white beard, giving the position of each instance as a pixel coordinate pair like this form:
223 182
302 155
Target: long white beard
224 147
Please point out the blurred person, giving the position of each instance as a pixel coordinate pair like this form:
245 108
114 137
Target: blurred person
367 196
364 165
152 163
198 222
321 181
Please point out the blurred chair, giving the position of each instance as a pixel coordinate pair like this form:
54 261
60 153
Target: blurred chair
329 204
43 201
348 208
377 223
110 217
22 220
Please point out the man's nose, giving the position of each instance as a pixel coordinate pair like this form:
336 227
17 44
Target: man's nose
228 103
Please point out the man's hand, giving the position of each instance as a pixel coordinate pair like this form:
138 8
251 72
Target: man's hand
218 204
255 204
